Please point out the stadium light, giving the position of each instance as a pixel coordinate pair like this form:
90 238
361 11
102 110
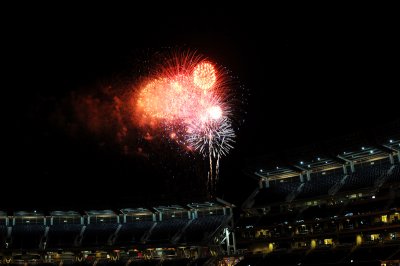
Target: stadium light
319 159
371 151
261 170
362 148
391 141
277 168
301 162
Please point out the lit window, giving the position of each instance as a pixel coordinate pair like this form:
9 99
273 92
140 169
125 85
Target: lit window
374 237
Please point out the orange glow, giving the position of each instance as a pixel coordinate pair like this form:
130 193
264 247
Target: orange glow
204 75
187 100
176 98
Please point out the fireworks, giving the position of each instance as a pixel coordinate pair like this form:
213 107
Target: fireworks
204 75
187 97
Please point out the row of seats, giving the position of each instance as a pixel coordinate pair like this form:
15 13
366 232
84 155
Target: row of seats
67 235
364 176
321 211
331 256
150 262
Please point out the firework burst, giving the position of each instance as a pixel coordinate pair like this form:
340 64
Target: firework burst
187 97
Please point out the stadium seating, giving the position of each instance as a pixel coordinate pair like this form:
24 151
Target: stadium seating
320 184
97 234
133 232
165 230
63 235
27 236
201 228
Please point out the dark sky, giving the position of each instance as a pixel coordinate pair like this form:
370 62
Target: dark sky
310 76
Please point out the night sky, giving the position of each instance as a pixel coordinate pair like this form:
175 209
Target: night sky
309 77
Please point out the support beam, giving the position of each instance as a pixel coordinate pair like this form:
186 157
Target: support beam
264 180
230 242
303 171
349 161
391 158
396 151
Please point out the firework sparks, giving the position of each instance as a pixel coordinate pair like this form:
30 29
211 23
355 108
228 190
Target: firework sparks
187 99
204 75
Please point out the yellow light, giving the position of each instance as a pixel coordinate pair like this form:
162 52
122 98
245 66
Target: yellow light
313 243
204 75
358 240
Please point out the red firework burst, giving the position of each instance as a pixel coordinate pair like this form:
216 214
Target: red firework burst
187 99
186 94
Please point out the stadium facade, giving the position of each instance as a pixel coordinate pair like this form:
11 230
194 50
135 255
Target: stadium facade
338 210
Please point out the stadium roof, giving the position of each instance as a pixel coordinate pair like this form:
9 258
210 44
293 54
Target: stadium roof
393 144
173 208
319 164
64 213
278 173
363 154
205 205
101 212
27 213
140 211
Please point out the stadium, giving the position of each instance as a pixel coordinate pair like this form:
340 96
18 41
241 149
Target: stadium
342 210
200 138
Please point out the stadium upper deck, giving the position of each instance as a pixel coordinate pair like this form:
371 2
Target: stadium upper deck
368 168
